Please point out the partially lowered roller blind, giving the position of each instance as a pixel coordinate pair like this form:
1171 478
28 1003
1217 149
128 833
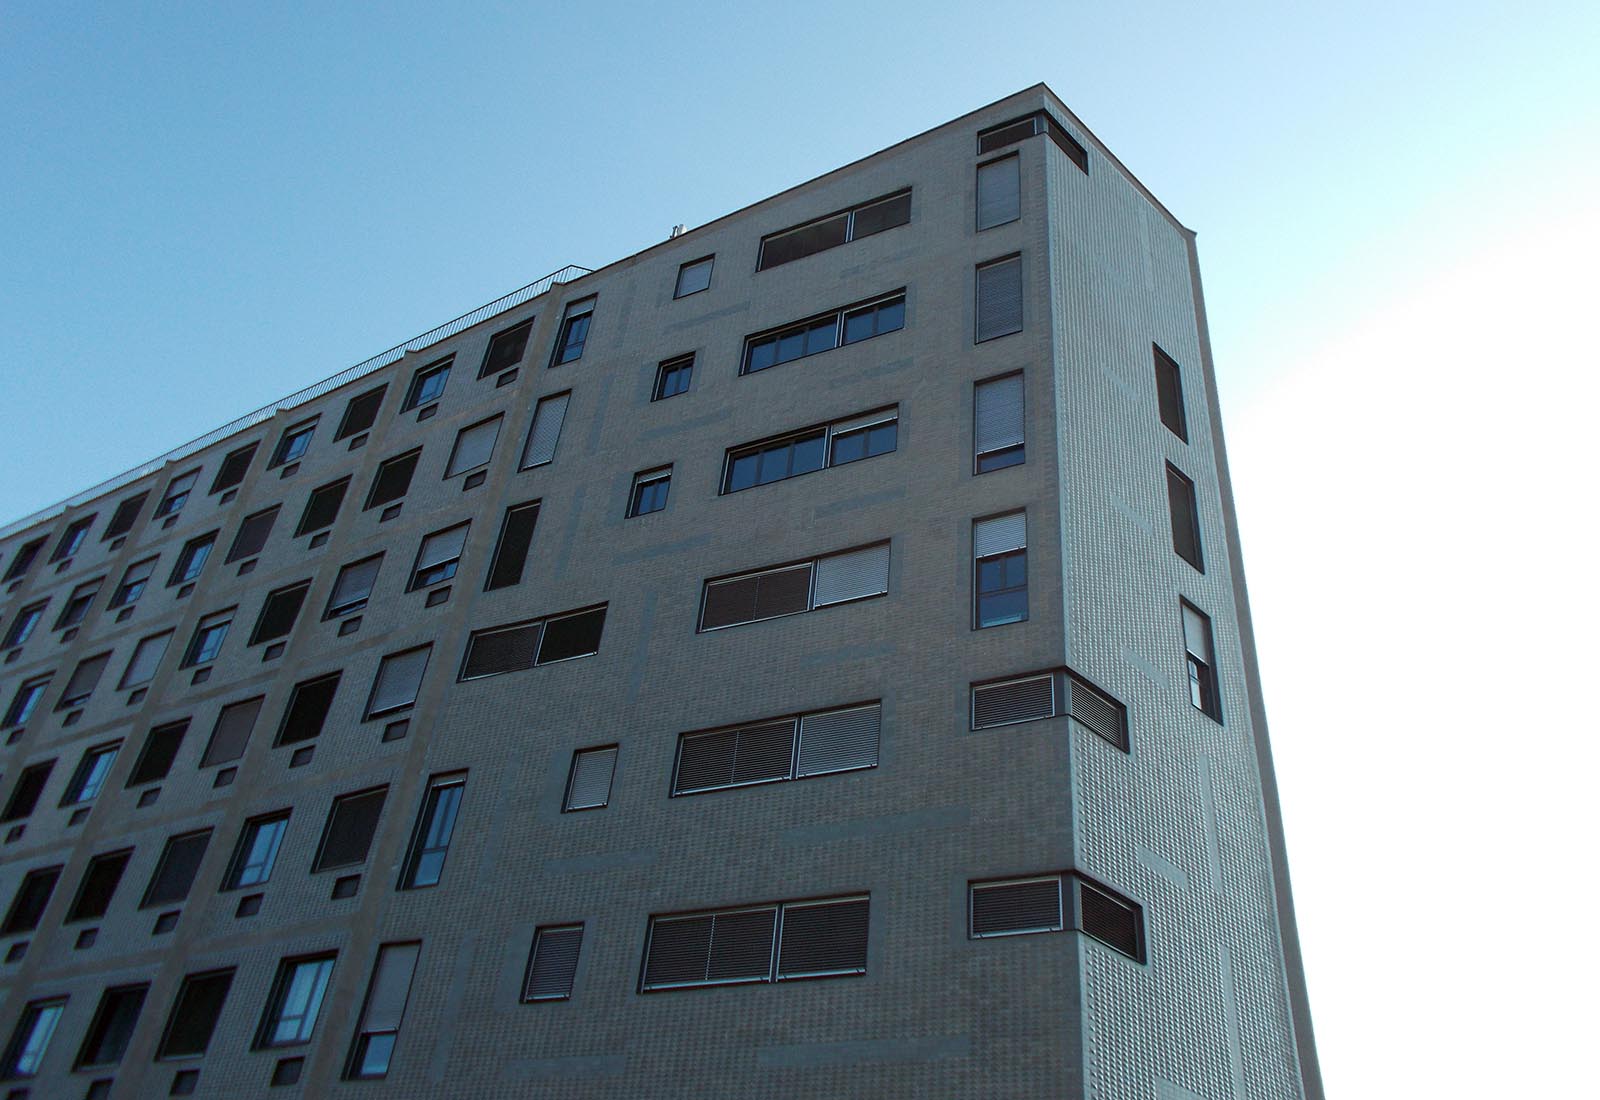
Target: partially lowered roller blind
852 575
399 679
839 740
590 787
758 753
999 298
474 447
391 985
999 534
145 660
998 416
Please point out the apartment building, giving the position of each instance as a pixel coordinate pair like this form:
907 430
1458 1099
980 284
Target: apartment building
807 657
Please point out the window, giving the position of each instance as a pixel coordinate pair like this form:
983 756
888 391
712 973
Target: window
291 1013
1000 570
999 298
27 697
511 548
776 749
160 749
293 443
693 277
256 851
865 436
430 841
474 447
192 558
22 625
1198 652
31 900
123 519
31 1038
1185 517
427 385
209 633
506 349
83 681
353 587
252 534
26 791
817 939
541 642
351 823
27 553
279 611
997 424
134 580
673 377
553 963
589 781
1052 903
174 874
234 466
573 333
194 1014
999 192
112 1027
99 885
846 325
393 478
90 776
360 413
791 589
322 507
308 708
1169 394
383 1010
545 433
650 488
835 229
177 494
398 681
1020 129
231 734
72 538
77 605
438 557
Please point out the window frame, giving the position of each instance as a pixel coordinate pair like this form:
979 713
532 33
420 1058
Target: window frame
346 428
244 847
830 432
417 391
195 653
414 456
273 1016
416 582
524 328
850 234
418 848
294 442
338 489
647 480
121 596
175 496
318 861
207 1020
77 792
806 325
185 569
349 606
226 468
685 268
678 365
575 311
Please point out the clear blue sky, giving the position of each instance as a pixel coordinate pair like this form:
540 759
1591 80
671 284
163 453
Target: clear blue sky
205 207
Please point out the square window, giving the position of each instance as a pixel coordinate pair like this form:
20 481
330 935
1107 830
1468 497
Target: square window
112 1027
308 708
279 612
352 821
393 479
353 587
194 1014
589 782
234 466
72 538
207 640
398 681
322 507
650 488
91 773
126 515
553 963
85 678
360 413
99 885
438 557
252 535
77 605
293 443
474 447
26 698
175 872
27 554
427 385
160 749
673 377
256 851
192 559
134 580
693 277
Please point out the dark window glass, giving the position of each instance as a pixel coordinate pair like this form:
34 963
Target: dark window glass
501 650
1003 588
72 538
322 507
26 698
32 897
506 349
1169 393
848 325
1111 919
293 443
1185 517
360 413
279 612
351 824
252 534
832 230
174 874
77 605
112 1027
1040 122
161 746
231 734
234 467
83 681
576 635
99 885
427 385
430 841
673 377
308 709
26 791
764 595
192 558
123 519
393 478
194 1014
511 548
27 553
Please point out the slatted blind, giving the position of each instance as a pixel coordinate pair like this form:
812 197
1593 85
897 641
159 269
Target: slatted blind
474 447
828 937
999 192
590 785
757 753
546 431
1111 920
1023 700
354 583
1095 709
399 678
232 732
998 414
1197 633
1012 908
391 986
741 946
145 660
442 546
1008 133
852 575
999 534
839 740
508 649
763 596
553 964
999 298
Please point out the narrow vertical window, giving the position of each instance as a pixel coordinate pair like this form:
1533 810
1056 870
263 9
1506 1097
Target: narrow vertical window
31 1038
291 1012
1000 569
257 850
589 782
1198 652
997 424
999 192
553 963
1185 517
693 277
546 431
999 298
650 488
112 1027
430 841
1169 392
382 1011
574 332
511 548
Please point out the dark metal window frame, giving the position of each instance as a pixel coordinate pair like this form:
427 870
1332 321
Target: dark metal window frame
294 442
849 213
839 315
683 268
831 430
1069 911
420 379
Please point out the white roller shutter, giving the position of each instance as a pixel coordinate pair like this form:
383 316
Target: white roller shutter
997 415
839 740
546 430
852 575
999 534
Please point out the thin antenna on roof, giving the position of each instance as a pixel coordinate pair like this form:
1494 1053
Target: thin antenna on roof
677 231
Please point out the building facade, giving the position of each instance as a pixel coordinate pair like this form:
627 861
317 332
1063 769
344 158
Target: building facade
808 657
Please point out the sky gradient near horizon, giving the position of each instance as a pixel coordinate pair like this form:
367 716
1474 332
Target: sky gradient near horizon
205 209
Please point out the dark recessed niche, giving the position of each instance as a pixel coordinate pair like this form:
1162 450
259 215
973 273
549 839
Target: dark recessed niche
86 939
274 651
346 887
396 730
287 1071
357 442
99 1089
135 697
166 922
225 778
249 906
389 513
13 655
472 481
426 412
318 539
168 522
437 596
350 626
116 543
64 566
247 566
69 634
14 586
289 470
201 675
302 756
125 614
14 833
184 1082
16 951
79 816
148 798
14 736
227 498
185 591
505 379
72 718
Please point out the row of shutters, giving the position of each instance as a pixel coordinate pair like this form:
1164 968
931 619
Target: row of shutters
779 749
759 944
834 578
1051 903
